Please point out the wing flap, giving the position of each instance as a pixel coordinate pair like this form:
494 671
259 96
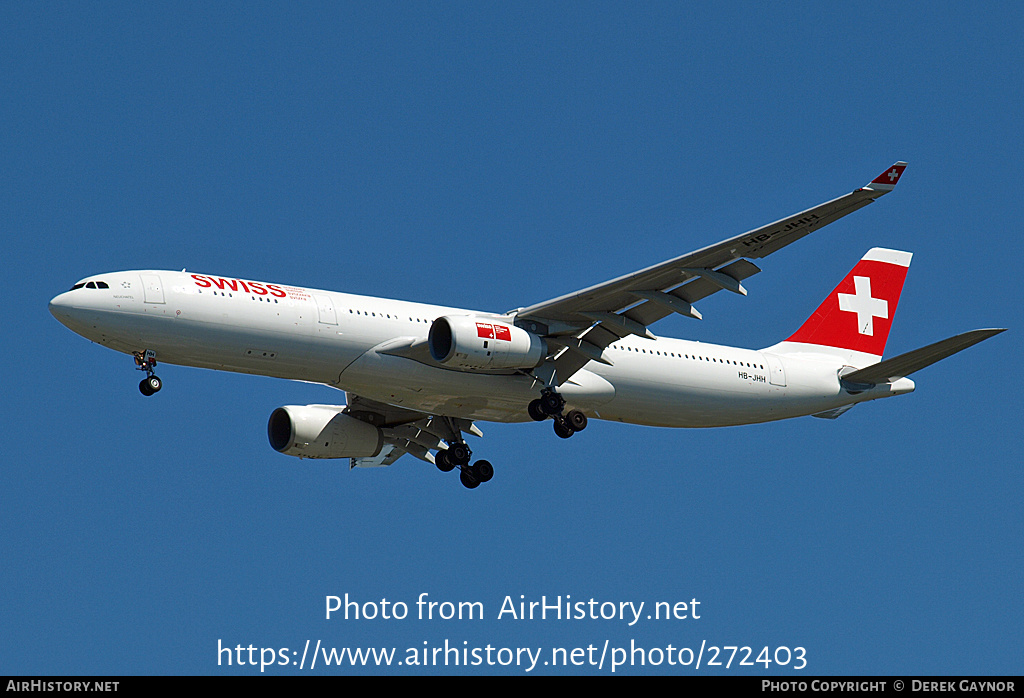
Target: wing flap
697 287
388 455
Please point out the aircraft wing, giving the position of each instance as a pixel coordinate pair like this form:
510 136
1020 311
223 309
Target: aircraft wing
405 431
585 322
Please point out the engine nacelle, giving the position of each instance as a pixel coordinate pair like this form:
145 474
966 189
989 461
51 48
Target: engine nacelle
472 342
322 431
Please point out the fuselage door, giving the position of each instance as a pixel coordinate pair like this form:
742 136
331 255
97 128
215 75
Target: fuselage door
325 308
776 372
153 289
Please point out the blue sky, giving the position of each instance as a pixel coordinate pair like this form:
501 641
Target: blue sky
491 157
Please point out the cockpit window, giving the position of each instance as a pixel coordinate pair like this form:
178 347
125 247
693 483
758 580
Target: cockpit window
90 284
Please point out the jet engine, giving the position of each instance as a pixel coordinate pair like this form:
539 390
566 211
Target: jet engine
472 342
322 431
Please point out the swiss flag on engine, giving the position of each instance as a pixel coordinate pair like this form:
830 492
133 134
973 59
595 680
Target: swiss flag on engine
484 330
857 315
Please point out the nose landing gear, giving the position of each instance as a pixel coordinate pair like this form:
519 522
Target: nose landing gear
146 361
150 385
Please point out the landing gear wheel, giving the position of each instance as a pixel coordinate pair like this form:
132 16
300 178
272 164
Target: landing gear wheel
483 470
459 454
469 479
150 385
551 403
577 420
146 361
442 462
562 428
537 413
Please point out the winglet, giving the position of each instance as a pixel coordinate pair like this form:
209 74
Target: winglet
886 181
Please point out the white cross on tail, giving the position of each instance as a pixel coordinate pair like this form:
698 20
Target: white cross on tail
866 307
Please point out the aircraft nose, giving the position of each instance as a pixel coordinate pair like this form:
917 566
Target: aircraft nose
69 311
60 307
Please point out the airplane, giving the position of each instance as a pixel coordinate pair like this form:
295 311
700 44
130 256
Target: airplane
418 377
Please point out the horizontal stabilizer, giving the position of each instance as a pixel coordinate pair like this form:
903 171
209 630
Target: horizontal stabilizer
833 413
903 365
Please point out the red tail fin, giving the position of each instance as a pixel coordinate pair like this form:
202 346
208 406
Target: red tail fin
857 315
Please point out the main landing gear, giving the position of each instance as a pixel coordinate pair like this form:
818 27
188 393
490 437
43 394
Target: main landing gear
551 404
146 361
458 455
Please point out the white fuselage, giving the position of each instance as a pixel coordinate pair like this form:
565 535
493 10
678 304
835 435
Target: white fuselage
332 338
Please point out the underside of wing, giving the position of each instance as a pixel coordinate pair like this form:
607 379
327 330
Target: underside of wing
406 431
